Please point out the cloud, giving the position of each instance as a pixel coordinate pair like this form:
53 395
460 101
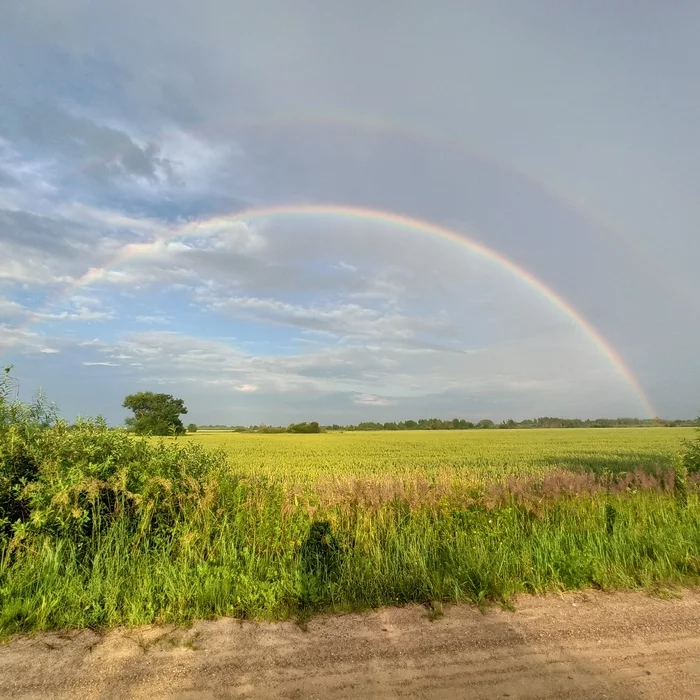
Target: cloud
11 309
100 364
26 341
153 320
41 251
246 388
80 314
100 152
78 308
372 400
348 320
377 375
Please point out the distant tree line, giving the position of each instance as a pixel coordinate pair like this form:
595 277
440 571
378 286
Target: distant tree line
461 424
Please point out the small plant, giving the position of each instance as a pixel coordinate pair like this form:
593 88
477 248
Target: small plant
435 611
610 518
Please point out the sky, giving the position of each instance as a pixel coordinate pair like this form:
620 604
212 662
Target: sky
346 211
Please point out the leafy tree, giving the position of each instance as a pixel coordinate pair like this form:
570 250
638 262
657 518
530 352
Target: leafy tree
192 428
155 414
486 423
312 427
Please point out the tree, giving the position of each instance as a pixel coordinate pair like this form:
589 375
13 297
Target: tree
155 414
312 427
192 428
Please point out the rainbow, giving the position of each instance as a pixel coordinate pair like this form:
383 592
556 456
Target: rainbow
360 213
370 124
569 199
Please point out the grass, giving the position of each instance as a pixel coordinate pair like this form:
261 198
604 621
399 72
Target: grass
129 531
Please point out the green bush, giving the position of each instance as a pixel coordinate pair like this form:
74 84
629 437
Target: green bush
312 427
20 425
90 475
691 455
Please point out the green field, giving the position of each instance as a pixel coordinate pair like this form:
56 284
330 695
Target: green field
483 455
116 529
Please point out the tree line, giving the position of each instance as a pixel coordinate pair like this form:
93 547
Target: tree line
462 424
159 414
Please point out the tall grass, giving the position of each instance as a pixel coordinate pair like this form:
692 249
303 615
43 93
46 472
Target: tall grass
111 529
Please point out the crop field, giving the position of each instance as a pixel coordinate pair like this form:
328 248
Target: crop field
115 529
483 456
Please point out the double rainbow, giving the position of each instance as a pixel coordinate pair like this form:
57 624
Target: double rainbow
130 252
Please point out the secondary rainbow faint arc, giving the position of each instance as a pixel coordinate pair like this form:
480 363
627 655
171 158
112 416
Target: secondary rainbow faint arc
199 227
555 191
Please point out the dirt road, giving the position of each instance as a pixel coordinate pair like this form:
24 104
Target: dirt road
588 645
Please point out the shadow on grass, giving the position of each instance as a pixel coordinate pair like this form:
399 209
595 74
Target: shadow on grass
321 559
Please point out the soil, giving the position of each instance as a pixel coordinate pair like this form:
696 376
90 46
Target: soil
585 645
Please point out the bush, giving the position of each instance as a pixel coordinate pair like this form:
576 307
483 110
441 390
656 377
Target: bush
691 455
69 481
89 475
312 427
20 426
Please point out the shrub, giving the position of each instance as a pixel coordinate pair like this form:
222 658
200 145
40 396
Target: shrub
691 455
312 427
20 425
90 475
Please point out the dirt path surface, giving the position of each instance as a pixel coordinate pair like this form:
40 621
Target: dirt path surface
587 645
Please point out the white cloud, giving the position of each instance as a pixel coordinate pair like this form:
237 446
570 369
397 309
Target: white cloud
349 320
49 351
79 314
378 374
158 320
10 308
100 364
372 400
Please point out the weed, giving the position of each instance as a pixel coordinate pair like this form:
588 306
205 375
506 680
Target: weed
434 611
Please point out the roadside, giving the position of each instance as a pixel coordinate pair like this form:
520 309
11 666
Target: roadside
580 645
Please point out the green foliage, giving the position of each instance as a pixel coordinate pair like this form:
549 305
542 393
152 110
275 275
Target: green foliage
90 476
690 457
312 427
20 426
462 424
610 518
192 428
155 414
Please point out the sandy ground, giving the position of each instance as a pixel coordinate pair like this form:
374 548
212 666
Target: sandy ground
586 645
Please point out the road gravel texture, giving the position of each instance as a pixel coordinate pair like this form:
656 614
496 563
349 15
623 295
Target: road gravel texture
578 646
